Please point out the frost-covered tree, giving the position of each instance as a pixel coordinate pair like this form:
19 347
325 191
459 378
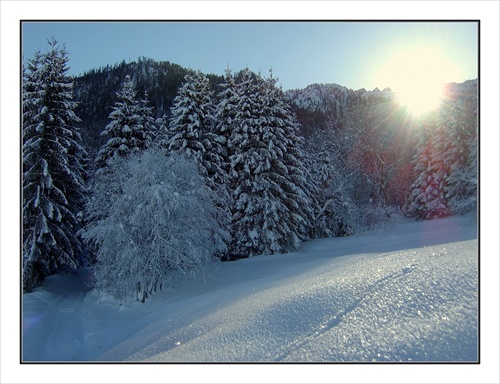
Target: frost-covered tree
427 193
460 120
131 128
336 213
446 161
156 217
161 138
375 144
272 209
192 134
149 123
53 173
225 114
462 183
191 129
283 127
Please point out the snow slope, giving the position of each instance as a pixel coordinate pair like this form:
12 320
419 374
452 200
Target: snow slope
408 293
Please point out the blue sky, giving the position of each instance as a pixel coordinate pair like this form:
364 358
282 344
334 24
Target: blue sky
300 53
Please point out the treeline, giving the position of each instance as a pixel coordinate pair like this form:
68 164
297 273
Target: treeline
96 89
220 171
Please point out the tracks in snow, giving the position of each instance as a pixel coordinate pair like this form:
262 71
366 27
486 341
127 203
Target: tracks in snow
61 326
339 317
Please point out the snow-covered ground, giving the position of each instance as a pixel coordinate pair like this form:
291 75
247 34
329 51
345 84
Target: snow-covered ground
408 293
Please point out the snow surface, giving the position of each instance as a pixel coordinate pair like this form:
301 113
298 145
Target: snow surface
407 293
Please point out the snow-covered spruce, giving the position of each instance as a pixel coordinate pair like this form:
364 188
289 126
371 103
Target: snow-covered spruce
446 160
53 174
272 209
191 133
225 114
156 217
429 188
131 128
191 129
460 119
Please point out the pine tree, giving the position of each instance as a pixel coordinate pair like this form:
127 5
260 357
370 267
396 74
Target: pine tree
272 205
131 128
53 173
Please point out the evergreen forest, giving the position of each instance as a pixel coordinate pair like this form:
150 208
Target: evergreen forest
144 170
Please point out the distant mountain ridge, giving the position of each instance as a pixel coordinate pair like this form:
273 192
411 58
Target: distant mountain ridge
329 97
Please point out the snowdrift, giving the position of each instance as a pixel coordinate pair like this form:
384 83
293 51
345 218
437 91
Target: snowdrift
408 293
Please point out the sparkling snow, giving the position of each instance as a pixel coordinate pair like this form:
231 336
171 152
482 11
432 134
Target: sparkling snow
408 293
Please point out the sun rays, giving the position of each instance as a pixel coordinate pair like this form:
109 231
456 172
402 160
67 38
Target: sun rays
417 76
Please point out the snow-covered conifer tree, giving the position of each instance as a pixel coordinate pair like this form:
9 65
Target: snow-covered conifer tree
131 127
282 127
446 167
225 113
161 138
157 218
191 128
148 122
460 119
192 133
53 174
272 209
427 193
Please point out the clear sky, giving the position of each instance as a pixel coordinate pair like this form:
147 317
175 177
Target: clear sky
352 54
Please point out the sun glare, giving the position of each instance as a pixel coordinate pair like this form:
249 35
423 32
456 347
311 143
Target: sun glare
417 75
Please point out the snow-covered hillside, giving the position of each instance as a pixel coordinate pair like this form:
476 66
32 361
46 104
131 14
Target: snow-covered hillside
408 293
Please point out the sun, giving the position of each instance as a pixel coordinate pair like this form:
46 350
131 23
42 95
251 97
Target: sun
417 76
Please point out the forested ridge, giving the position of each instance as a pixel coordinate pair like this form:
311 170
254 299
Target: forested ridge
146 169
